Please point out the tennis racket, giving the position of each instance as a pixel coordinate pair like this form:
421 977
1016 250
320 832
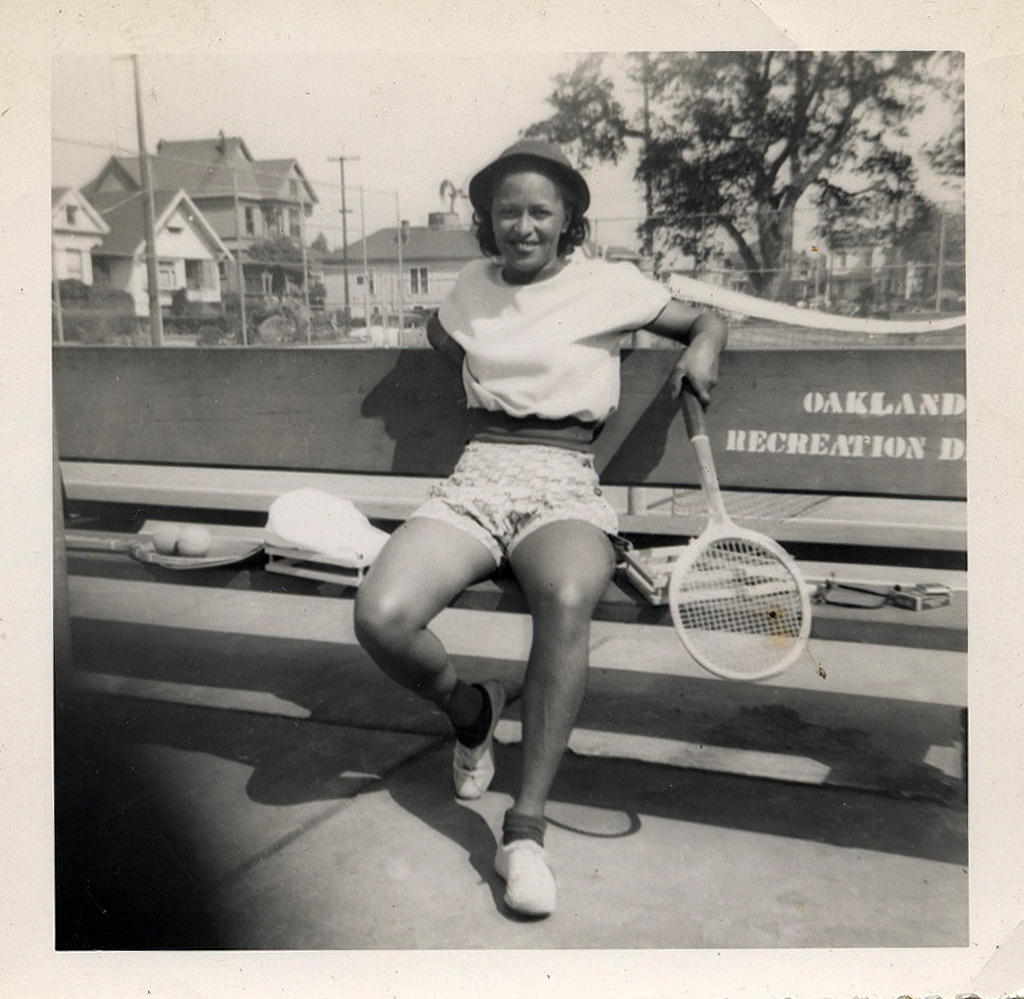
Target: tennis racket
738 601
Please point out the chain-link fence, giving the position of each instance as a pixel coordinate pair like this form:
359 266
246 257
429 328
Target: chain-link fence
857 262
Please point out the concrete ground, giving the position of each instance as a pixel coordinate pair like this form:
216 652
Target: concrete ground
231 773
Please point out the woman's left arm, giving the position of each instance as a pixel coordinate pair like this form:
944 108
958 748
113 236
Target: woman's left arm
705 336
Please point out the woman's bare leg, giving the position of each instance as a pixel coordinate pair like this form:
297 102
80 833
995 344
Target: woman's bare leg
564 569
423 567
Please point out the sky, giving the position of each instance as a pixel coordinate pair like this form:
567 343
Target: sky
407 120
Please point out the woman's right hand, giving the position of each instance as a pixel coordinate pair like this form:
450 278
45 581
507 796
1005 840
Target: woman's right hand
698 365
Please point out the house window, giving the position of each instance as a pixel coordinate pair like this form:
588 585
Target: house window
295 225
74 264
365 281
293 188
71 211
250 220
167 277
198 274
418 281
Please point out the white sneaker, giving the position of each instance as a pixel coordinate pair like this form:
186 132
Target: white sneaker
530 885
473 768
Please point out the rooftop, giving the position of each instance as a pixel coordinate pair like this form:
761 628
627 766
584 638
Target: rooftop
418 243
219 167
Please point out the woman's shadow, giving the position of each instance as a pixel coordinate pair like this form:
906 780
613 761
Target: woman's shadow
423 407
361 734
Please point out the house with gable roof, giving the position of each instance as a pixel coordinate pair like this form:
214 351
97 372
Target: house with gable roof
77 228
243 199
414 274
189 251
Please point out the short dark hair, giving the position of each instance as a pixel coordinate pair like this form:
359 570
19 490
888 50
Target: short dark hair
576 232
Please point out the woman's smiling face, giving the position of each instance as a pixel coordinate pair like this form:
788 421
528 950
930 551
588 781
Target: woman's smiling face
528 215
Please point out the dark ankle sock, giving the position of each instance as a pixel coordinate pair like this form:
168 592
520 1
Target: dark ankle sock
472 735
517 826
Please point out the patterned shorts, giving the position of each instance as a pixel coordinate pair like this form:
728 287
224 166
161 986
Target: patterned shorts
502 493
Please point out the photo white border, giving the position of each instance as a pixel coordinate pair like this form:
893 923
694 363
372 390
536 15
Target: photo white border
990 32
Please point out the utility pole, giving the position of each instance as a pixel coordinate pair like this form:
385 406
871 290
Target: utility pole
366 269
648 239
305 270
58 306
340 160
238 258
401 285
156 319
940 264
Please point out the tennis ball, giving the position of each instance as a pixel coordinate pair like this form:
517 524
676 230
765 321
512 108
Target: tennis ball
165 538
194 541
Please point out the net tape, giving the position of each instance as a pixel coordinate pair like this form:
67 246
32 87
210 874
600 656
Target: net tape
749 305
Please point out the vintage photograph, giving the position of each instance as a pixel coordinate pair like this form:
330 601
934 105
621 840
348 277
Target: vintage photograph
520 510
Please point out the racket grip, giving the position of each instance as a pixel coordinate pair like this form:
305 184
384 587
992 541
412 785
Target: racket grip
693 412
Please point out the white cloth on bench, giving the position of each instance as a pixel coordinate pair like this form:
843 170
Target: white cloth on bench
314 521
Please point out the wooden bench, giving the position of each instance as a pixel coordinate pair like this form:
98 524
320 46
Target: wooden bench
854 460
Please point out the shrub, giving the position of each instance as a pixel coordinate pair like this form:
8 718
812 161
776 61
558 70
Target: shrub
112 300
179 302
73 290
103 315
192 325
212 334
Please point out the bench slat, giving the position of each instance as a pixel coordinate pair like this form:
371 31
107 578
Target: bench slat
940 628
880 521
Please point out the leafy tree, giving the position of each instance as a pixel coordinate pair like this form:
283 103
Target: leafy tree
276 249
946 154
320 243
734 141
279 250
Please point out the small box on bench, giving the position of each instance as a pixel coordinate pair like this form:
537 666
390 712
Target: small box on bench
649 569
312 565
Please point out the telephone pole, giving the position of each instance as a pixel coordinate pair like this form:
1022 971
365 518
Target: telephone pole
156 318
401 285
340 160
238 257
648 236
940 263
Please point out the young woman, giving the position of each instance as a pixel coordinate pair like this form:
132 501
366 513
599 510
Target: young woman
536 333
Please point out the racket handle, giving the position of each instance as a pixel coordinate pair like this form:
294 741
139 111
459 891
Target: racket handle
696 427
693 412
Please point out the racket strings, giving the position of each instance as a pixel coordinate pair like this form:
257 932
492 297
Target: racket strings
740 606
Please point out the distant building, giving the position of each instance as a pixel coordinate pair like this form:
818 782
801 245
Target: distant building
77 228
407 268
243 199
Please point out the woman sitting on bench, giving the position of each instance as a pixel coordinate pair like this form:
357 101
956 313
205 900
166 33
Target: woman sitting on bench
536 333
